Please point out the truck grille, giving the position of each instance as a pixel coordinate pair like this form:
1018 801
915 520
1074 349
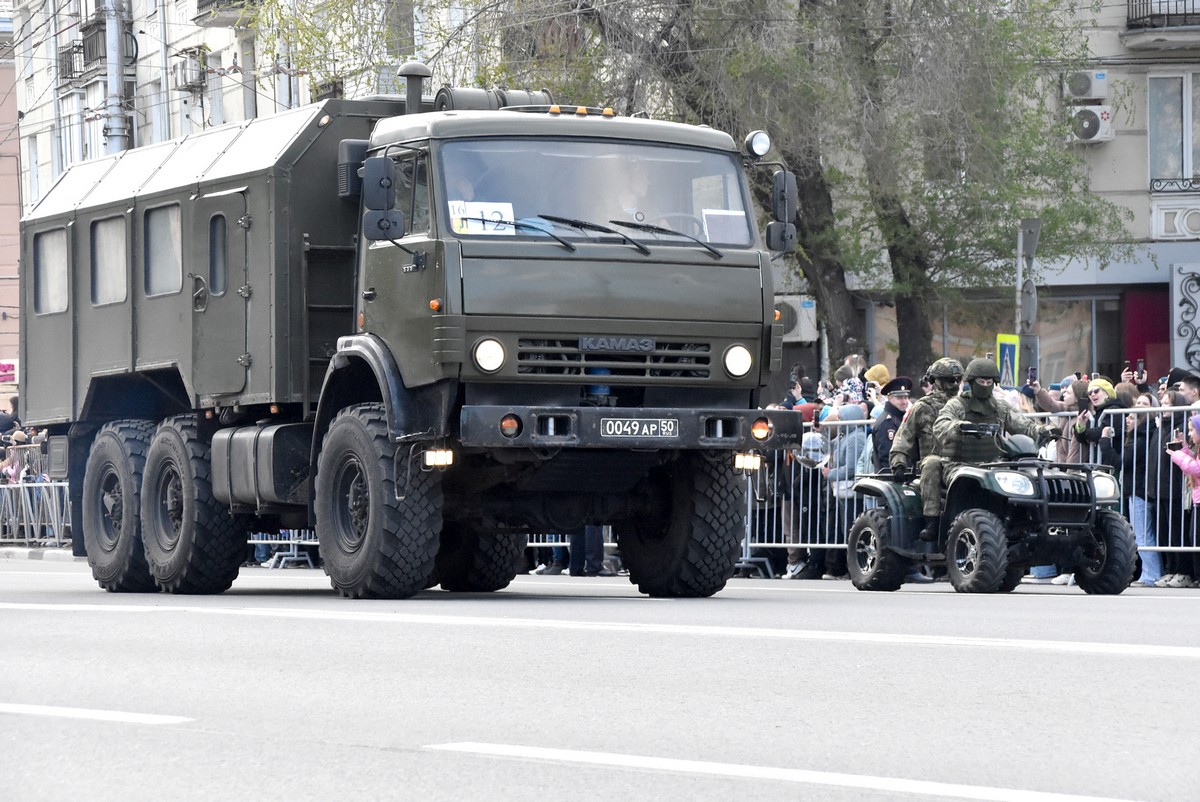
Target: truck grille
1064 490
563 358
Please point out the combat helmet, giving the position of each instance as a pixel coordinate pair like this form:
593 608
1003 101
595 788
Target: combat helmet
945 368
981 368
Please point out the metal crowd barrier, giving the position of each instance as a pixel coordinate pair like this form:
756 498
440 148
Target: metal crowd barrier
294 539
35 513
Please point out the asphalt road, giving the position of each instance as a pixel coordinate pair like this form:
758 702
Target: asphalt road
579 688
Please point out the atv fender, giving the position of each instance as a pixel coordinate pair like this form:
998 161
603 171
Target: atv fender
903 504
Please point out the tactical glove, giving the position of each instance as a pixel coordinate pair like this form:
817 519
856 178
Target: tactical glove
900 473
1049 434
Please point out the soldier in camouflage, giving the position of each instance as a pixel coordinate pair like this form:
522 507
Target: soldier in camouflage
914 442
977 404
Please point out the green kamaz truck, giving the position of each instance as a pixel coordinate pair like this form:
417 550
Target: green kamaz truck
424 335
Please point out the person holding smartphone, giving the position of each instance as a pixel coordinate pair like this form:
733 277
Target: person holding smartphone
1187 459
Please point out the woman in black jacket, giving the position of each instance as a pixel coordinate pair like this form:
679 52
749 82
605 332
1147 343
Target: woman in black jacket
1142 463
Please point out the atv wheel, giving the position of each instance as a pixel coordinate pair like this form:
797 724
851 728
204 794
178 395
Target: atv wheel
471 560
690 544
977 552
374 545
873 566
192 543
1108 559
112 486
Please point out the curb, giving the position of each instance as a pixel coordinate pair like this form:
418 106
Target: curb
51 554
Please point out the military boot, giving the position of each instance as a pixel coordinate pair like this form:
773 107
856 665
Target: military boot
930 531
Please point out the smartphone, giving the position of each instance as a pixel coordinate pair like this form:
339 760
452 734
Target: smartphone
1078 376
1141 366
991 355
1174 445
1031 376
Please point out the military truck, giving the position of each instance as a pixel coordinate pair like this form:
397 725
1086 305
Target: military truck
424 334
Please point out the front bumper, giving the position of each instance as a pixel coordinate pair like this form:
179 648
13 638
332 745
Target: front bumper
627 428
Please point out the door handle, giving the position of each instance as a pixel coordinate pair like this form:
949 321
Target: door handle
369 294
199 294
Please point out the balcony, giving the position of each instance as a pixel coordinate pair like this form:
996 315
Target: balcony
224 13
1161 24
70 62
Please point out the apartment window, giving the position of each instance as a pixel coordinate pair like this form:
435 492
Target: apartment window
108 261
164 253
50 272
1174 128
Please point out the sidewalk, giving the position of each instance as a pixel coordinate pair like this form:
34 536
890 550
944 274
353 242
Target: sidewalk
54 553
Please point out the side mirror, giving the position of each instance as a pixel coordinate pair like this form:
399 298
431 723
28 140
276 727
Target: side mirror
379 183
784 196
781 236
384 225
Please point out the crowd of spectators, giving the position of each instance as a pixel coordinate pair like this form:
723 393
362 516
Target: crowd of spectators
1147 432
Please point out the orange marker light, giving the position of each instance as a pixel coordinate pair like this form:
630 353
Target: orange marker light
510 426
362 321
581 110
777 315
555 109
435 304
761 429
608 112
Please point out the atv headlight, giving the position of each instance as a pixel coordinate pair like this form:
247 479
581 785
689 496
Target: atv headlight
1014 484
1105 487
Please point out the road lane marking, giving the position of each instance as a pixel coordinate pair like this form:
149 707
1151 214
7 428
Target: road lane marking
1016 644
923 788
94 715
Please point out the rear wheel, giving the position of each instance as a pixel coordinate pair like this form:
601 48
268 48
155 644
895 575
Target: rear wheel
112 486
374 544
1108 562
690 546
872 565
977 552
193 544
471 560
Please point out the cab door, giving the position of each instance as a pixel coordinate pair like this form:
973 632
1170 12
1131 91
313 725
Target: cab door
220 293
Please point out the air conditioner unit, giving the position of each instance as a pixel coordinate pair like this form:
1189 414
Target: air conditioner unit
1086 85
1090 124
798 315
187 75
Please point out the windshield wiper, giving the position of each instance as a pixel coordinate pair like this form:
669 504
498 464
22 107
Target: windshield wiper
518 225
584 225
669 231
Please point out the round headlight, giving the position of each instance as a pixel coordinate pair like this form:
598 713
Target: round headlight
738 361
758 143
1014 484
1106 487
489 355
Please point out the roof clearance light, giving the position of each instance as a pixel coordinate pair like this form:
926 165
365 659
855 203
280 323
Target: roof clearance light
554 109
581 111
761 429
758 143
608 112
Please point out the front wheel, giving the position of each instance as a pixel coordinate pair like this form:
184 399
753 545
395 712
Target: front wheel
690 543
1108 560
192 542
374 543
977 552
872 565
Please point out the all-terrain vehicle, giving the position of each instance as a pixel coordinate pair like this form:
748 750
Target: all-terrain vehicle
998 519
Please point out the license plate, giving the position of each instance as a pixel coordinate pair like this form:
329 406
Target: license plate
639 427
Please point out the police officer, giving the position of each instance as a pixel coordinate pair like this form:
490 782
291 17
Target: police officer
883 431
977 404
914 441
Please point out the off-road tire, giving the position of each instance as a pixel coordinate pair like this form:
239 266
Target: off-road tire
471 560
1012 578
977 552
1108 565
373 544
192 543
111 508
872 565
691 546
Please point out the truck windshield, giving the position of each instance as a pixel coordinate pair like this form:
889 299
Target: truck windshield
694 192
